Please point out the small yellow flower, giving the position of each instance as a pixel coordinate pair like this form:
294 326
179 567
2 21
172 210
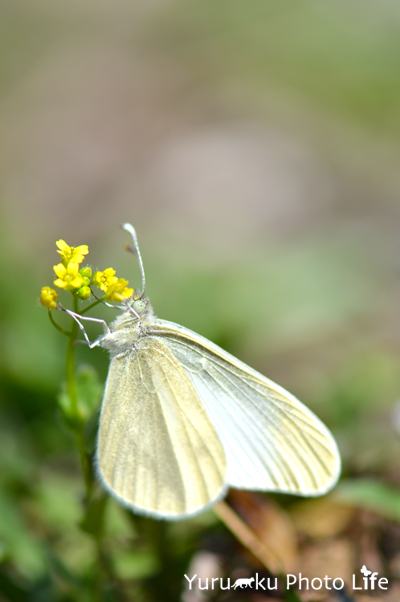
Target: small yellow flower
68 278
104 279
48 297
71 254
114 288
117 291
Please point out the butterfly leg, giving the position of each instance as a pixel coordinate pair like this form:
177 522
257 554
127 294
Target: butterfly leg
78 318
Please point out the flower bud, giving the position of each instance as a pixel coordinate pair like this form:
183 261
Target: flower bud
84 292
48 297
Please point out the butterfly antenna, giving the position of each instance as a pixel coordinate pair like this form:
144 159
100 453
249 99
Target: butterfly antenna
129 228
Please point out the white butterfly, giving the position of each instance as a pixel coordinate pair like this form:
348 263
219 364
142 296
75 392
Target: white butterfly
182 420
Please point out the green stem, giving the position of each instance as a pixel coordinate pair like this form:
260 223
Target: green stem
94 508
85 463
70 364
72 390
85 309
59 328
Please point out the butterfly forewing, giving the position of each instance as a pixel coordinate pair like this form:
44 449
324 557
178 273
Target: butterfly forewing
271 440
158 450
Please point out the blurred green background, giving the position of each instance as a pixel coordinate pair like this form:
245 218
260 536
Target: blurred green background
255 147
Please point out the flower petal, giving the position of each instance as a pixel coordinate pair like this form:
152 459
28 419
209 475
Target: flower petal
73 268
82 250
60 283
62 245
60 270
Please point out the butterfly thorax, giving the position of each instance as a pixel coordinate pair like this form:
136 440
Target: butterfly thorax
126 329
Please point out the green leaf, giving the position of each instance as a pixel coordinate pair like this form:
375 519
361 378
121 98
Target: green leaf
64 402
17 543
131 564
89 391
370 494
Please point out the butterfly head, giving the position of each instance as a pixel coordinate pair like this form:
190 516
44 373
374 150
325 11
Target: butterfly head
137 310
138 303
139 306
129 326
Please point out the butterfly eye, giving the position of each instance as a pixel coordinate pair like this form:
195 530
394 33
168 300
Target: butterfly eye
139 306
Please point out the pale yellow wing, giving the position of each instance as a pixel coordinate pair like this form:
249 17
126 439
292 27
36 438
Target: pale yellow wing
272 441
158 451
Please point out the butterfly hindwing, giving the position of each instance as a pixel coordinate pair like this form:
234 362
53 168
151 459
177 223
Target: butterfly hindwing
272 441
158 451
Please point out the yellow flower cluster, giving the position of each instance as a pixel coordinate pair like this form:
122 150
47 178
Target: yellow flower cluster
71 254
70 277
115 288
